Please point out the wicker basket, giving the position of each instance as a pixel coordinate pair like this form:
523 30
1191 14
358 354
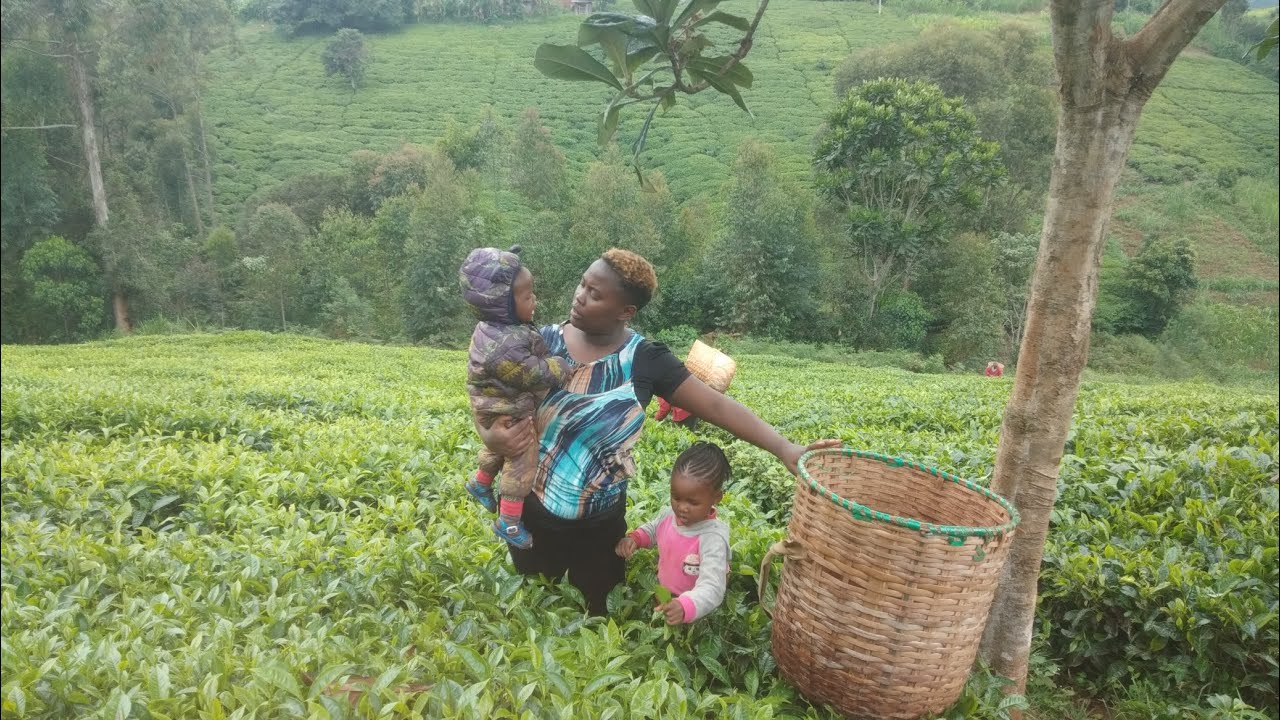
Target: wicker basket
890 571
711 366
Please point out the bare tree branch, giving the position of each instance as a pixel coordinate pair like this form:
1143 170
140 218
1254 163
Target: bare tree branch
1158 43
36 127
33 51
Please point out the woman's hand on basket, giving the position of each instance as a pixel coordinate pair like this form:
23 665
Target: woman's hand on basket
790 456
506 437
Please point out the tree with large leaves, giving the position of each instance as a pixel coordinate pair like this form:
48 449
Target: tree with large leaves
1104 81
654 57
905 164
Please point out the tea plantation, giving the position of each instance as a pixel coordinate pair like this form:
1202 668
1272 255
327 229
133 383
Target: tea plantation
274 114
248 525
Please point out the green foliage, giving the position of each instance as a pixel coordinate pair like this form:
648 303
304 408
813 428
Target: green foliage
476 148
65 295
1221 338
1267 44
764 267
537 165
960 288
611 211
900 323
346 55
1003 74
346 314
905 163
1154 285
272 264
238 521
985 698
484 11
298 16
1161 565
448 218
654 57
309 195
1161 279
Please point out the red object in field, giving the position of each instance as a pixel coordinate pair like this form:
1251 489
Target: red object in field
677 414
994 369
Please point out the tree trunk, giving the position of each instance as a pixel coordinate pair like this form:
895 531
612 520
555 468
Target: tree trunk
1104 82
88 134
204 156
89 141
191 190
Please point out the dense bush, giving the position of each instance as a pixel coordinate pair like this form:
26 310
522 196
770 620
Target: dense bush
1161 566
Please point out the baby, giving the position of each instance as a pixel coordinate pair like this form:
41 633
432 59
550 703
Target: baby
509 371
693 546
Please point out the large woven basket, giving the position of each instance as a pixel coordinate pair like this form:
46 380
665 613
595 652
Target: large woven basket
711 366
889 575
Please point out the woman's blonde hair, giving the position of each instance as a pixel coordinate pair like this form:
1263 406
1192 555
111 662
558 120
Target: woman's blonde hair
639 281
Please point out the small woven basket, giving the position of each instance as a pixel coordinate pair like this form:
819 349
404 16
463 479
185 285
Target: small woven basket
711 366
889 575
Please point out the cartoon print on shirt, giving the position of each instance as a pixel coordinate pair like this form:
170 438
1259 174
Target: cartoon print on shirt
692 564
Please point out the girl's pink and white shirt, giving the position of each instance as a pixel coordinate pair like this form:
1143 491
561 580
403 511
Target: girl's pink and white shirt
693 560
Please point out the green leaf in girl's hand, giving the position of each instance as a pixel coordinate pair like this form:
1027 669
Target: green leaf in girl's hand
664 595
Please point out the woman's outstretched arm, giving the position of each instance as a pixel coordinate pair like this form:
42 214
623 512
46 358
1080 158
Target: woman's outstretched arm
694 395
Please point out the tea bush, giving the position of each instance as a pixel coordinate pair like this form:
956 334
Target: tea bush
240 525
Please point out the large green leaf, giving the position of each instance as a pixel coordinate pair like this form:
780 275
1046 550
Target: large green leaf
640 56
612 39
695 6
739 74
648 7
724 18
721 84
568 62
608 123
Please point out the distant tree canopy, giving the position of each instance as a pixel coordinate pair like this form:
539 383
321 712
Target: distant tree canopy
1004 76
346 56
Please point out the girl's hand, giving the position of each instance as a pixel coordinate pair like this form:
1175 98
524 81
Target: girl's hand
673 611
508 438
790 456
626 547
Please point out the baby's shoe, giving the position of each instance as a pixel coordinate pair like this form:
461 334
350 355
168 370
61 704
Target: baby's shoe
513 532
482 494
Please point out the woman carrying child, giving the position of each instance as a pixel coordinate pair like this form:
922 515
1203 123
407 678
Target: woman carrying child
589 425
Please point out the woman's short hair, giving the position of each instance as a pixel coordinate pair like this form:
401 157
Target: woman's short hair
706 462
639 281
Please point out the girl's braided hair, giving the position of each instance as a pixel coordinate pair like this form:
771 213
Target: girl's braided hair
639 281
704 461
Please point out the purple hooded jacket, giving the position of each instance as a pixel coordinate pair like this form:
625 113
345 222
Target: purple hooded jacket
508 369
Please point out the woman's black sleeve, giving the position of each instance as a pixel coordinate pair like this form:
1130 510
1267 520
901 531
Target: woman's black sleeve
656 371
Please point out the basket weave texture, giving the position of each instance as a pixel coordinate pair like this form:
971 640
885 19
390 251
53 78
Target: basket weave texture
888 580
711 366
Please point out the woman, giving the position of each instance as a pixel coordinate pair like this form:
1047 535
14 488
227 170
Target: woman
576 513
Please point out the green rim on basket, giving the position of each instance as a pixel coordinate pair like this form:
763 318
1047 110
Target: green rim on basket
956 533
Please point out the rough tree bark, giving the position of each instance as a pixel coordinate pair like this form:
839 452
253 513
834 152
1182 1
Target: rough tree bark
1103 83
83 90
